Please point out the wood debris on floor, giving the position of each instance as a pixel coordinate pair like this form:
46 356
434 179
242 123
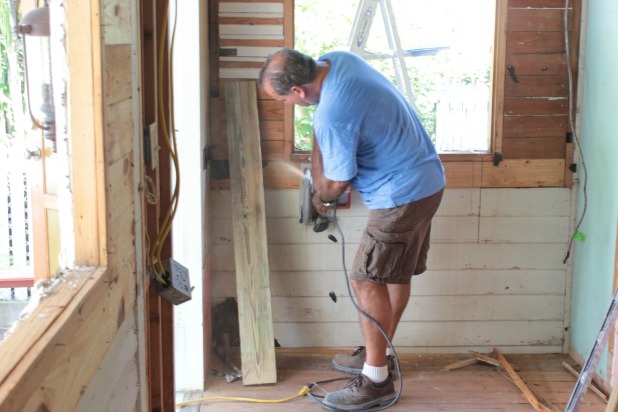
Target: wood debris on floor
431 382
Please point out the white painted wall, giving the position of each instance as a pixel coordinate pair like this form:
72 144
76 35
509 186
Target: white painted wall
190 108
495 277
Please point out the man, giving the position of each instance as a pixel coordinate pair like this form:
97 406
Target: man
367 136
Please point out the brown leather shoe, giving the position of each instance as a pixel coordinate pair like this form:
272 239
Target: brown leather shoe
353 363
350 363
361 393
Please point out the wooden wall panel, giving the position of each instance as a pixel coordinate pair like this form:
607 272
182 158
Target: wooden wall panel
535 126
536 81
535 42
530 106
534 147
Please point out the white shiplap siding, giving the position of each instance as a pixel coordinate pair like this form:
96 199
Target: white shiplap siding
495 273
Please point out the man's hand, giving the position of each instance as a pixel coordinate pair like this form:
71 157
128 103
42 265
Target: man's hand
320 206
326 191
326 197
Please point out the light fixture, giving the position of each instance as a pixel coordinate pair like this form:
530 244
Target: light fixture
37 56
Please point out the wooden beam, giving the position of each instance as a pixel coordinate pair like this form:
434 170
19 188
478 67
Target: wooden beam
524 173
250 244
498 73
83 48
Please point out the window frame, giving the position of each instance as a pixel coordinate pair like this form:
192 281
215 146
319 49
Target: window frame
86 304
497 95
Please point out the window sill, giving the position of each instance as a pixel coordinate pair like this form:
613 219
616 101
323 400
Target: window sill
301 157
49 357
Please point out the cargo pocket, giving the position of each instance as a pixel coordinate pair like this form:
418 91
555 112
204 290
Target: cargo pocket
383 259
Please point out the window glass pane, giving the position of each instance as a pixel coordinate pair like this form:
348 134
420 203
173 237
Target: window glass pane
448 46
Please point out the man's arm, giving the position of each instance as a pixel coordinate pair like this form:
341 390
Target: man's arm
326 190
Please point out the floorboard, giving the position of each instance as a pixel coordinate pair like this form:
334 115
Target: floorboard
427 386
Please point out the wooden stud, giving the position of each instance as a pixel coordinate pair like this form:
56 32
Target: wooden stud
498 73
85 88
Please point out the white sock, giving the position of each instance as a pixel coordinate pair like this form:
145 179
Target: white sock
388 352
376 374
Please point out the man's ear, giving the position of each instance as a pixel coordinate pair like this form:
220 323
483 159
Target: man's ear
297 90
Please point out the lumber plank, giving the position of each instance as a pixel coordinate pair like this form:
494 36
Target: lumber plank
86 91
524 173
461 364
250 244
520 383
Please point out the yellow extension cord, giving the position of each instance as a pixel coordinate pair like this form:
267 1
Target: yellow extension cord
303 392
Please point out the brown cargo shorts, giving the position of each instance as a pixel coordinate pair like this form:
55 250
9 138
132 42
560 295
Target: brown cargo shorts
394 246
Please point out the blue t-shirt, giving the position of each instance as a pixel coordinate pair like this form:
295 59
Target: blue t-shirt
370 134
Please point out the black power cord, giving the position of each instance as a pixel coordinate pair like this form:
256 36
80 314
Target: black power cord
576 232
390 344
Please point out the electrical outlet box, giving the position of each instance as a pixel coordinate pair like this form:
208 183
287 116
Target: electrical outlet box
179 288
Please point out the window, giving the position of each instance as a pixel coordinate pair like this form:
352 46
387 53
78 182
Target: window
449 49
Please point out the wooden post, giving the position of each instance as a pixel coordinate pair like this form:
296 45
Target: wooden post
249 223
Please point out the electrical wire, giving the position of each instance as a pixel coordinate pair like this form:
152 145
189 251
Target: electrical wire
572 124
169 135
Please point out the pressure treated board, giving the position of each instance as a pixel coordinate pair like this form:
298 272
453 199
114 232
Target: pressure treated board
250 245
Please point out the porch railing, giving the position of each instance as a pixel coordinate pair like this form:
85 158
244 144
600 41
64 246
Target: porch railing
16 254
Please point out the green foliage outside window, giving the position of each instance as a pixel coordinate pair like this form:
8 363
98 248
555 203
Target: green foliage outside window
12 101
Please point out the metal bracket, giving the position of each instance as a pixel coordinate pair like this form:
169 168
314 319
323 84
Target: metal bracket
497 158
512 73
219 169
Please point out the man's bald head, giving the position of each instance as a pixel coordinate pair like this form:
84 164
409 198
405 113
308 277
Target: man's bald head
287 68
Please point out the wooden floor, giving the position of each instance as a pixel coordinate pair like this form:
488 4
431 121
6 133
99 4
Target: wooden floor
426 385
